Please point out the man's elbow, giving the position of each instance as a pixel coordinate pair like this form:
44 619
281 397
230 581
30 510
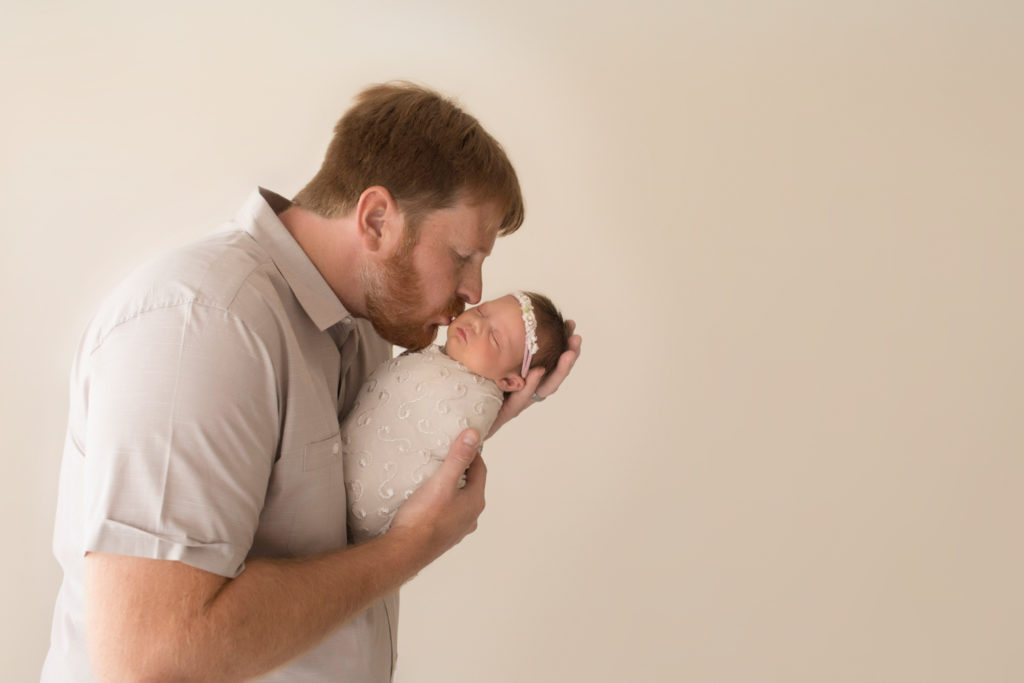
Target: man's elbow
144 620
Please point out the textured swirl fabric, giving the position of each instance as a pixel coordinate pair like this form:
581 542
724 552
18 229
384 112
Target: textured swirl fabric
398 433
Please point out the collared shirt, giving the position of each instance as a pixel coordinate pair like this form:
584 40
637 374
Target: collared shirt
204 428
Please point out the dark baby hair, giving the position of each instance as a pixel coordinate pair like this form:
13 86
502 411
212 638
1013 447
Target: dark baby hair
552 333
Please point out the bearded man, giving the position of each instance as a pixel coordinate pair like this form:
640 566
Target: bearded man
201 518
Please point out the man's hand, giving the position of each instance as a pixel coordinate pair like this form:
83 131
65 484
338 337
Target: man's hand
538 387
440 514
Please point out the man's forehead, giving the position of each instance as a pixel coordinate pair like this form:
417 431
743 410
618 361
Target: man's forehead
482 240
468 227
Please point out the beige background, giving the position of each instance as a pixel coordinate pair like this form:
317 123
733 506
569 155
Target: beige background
791 232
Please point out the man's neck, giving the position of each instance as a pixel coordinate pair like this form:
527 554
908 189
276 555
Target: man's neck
336 251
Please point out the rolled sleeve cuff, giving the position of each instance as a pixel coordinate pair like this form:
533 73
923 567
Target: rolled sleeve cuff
117 538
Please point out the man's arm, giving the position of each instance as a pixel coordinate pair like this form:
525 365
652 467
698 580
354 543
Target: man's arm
537 383
160 619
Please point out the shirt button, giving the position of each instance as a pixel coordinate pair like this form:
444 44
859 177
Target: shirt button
335 448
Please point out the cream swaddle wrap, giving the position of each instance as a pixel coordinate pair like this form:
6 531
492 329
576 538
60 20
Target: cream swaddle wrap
401 427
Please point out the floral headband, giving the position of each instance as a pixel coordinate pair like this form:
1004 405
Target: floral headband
530 321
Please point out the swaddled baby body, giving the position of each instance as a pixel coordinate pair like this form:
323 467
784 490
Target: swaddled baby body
401 427
412 407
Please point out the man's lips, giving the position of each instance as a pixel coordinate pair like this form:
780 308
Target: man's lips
444 321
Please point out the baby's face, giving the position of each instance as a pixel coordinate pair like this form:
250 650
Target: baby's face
490 340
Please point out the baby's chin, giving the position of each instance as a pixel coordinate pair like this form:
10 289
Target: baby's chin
450 351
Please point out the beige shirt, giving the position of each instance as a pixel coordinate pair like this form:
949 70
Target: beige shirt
206 397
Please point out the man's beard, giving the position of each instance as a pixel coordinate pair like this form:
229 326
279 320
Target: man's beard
394 293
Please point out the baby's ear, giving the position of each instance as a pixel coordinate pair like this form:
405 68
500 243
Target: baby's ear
511 382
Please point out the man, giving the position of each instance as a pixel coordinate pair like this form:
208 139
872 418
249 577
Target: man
201 512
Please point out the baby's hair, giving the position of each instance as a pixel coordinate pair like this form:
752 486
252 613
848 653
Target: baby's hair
552 333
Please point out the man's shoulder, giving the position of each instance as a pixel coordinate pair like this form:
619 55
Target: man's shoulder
225 270
212 269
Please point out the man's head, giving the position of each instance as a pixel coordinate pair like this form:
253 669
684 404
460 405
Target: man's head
430 190
423 149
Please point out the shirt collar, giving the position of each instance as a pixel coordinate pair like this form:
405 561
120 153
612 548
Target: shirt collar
258 217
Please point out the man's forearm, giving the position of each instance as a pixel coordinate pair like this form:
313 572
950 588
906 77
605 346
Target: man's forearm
161 619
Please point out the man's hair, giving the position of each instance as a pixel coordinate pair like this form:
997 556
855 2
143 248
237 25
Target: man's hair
423 148
552 333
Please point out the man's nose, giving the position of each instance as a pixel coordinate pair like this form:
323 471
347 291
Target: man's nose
471 287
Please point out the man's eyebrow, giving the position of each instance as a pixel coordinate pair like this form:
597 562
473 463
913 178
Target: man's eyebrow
477 249
480 245
471 248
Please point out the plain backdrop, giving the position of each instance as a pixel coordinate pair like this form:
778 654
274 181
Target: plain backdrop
792 234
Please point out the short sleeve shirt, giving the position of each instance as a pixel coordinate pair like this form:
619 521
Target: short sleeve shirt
206 397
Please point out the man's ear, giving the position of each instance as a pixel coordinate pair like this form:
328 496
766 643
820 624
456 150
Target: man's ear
377 218
511 382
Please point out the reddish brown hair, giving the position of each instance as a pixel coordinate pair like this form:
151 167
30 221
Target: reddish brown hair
423 148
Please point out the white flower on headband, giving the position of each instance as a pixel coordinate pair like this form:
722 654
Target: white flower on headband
530 321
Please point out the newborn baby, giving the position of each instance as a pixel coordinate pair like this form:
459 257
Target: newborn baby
412 407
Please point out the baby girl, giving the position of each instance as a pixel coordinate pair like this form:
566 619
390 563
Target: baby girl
412 407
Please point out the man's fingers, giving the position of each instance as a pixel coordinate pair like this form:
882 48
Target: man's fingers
476 476
533 379
576 344
561 371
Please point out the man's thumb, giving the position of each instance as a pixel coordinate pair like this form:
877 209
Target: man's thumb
462 452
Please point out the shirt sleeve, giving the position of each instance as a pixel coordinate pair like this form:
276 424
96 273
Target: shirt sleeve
181 435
